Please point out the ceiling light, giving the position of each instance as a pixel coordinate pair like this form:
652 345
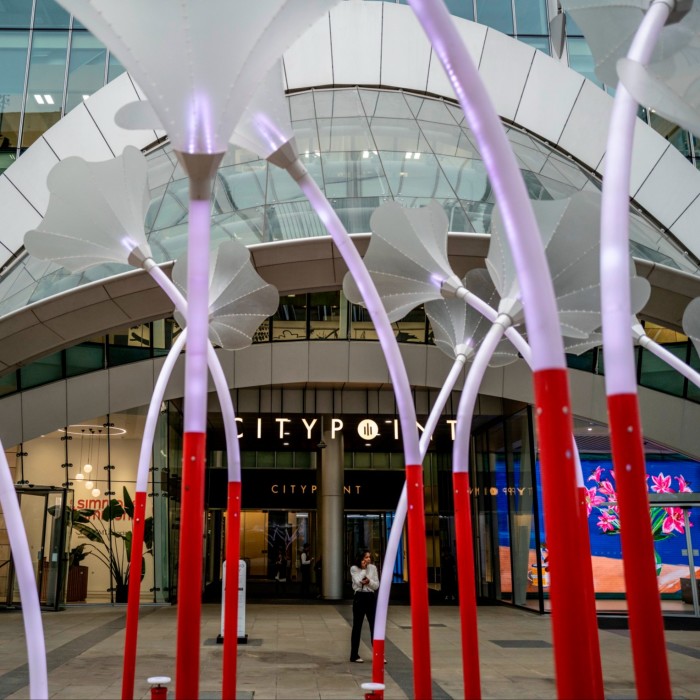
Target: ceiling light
89 485
49 99
87 468
409 154
416 156
365 154
95 492
39 99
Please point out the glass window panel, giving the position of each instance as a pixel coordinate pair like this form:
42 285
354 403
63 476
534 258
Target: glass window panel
411 328
86 68
678 137
581 60
357 174
461 8
531 17
435 111
306 135
115 68
391 105
8 384
85 357
245 225
495 13
398 135
479 214
164 333
289 321
411 177
240 187
13 59
345 134
129 345
324 315
656 374
16 13
288 220
50 15
468 178
47 369
45 86
446 139
302 106
693 391
345 103
456 216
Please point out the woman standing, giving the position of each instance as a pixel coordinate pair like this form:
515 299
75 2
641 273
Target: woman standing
365 583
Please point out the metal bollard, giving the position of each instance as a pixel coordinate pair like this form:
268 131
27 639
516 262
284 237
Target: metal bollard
374 691
159 687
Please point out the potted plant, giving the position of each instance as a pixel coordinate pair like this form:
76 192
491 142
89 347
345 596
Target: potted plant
95 527
77 575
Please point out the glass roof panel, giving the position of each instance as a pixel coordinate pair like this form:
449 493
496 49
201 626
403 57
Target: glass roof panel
371 149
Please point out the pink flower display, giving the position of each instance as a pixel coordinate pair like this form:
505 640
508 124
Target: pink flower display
607 522
673 521
595 475
593 499
665 521
683 485
661 484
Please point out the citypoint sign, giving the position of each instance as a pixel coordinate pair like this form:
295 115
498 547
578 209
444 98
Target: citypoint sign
277 431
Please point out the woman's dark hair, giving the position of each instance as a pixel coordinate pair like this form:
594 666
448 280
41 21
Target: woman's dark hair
360 556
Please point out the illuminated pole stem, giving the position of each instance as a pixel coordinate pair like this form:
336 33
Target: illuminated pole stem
138 524
462 506
644 606
201 169
233 490
550 379
392 546
417 564
24 569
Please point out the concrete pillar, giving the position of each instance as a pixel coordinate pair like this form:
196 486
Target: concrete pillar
330 502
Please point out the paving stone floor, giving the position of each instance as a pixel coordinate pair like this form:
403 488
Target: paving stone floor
301 651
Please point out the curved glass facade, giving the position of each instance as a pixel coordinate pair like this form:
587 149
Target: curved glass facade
363 147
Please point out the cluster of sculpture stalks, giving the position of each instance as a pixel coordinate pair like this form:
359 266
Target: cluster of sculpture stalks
542 277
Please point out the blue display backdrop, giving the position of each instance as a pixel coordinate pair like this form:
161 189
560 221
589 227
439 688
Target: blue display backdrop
666 474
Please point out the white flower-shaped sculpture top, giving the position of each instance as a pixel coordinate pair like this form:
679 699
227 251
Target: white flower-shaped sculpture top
691 322
458 328
216 54
670 84
407 257
239 299
569 230
96 213
265 125
610 25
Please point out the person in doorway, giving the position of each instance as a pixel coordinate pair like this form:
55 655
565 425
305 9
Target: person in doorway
280 572
318 570
306 563
447 575
365 584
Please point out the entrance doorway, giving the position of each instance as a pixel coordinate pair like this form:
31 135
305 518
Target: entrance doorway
371 531
265 536
47 521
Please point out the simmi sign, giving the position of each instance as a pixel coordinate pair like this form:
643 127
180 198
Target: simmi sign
359 432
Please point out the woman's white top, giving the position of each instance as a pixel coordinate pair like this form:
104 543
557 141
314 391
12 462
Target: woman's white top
358 573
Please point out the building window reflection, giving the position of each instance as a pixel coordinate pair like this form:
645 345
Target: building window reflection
44 97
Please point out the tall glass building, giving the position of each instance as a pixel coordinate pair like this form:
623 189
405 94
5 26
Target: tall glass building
376 121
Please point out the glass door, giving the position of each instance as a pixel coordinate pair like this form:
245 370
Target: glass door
46 518
365 531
